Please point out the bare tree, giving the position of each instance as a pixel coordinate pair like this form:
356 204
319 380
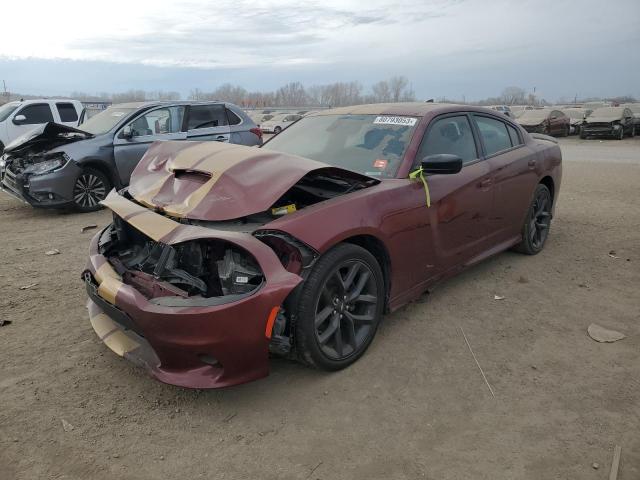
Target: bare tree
397 85
513 96
292 94
381 92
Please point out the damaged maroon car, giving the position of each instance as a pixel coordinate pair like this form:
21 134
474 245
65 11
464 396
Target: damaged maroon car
221 254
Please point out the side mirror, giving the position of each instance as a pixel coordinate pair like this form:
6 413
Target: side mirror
19 119
442 164
127 132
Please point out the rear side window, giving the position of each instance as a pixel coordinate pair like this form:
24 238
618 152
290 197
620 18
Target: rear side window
37 113
449 135
494 135
233 118
67 112
207 116
513 134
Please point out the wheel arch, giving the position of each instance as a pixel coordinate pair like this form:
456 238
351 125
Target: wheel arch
101 166
548 182
377 248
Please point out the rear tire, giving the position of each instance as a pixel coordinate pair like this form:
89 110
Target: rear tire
91 187
621 134
537 222
341 305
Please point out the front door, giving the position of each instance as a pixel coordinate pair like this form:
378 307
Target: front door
463 201
164 123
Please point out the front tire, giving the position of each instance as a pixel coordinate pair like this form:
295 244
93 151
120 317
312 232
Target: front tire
621 134
341 306
537 223
277 130
91 187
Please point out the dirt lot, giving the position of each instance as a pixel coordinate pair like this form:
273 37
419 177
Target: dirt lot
415 406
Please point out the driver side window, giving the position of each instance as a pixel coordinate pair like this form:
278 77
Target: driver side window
450 135
160 121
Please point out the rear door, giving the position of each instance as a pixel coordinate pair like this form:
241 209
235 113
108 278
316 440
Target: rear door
208 122
513 166
162 123
67 113
34 114
464 200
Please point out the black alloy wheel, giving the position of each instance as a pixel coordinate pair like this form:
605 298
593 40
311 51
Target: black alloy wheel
340 308
538 222
90 189
345 311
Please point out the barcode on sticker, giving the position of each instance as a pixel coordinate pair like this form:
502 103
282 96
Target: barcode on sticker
405 121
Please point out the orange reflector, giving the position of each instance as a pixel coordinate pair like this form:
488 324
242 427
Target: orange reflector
270 320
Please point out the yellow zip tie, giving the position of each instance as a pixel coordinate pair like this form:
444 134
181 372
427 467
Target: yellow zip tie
419 173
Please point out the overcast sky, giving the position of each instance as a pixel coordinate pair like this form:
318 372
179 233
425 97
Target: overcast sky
446 48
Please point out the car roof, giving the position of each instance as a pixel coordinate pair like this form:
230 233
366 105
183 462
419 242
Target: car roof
154 103
417 109
37 100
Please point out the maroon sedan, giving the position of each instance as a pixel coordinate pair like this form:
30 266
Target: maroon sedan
219 254
549 122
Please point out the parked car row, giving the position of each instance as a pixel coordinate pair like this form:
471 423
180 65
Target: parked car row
59 164
271 121
605 121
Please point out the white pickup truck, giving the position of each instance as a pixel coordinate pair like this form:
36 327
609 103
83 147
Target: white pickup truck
17 118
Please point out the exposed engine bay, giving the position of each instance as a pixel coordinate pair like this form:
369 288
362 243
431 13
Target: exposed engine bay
201 268
317 186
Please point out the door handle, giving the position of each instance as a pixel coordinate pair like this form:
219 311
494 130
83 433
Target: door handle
486 183
531 163
221 137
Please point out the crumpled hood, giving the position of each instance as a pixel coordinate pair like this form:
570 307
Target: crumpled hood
53 133
218 181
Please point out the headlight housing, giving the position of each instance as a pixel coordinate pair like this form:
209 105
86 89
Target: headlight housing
48 165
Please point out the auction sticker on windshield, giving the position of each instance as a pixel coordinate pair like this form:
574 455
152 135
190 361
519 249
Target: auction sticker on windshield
406 121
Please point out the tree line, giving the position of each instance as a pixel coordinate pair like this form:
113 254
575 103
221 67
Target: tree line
337 94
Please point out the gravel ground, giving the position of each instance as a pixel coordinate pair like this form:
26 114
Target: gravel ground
415 406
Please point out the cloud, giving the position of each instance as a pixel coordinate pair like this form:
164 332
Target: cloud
439 44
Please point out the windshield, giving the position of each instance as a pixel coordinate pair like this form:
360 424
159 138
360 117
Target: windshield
7 109
534 115
106 120
607 112
368 144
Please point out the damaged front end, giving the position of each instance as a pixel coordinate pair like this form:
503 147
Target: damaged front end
193 279
31 168
194 305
